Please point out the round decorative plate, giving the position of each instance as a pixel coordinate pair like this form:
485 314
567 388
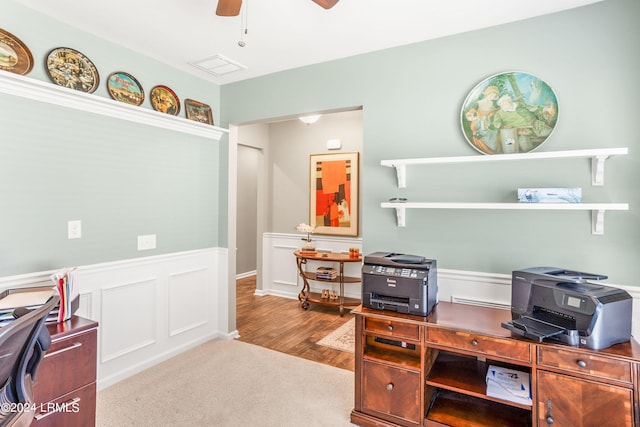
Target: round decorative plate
125 88
70 68
15 56
165 100
511 112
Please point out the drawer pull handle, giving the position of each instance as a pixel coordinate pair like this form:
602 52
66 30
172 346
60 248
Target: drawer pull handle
390 386
56 407
582 363
62 350
474 343
390 328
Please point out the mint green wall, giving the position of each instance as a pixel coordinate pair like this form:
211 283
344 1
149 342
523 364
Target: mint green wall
121 179
411 98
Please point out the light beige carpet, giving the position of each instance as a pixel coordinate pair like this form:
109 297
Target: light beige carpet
230 383
343 338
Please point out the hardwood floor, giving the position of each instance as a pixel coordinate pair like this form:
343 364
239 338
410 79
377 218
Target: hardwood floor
281 324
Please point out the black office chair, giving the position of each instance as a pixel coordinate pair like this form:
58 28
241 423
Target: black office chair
22 345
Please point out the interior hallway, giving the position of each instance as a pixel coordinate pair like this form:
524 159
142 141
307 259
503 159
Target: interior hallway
281 324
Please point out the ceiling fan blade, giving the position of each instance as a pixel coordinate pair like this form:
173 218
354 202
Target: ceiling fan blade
228 7
327 4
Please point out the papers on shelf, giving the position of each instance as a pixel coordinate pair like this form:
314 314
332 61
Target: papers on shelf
326 273
509 384
65 284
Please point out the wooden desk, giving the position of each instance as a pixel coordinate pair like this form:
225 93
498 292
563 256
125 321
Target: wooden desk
306 296
430 371
65 388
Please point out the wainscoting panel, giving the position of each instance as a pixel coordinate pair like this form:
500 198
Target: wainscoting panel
189 293
148 309
120 336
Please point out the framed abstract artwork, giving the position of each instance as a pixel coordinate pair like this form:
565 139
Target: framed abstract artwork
333 193
512 112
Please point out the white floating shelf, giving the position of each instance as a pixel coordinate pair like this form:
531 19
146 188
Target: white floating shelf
598 157
25 87
597 209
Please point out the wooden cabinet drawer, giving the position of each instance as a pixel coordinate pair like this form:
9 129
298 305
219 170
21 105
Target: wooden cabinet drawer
586 363
393 328
392 392
563 400
75 409
480 344
70 363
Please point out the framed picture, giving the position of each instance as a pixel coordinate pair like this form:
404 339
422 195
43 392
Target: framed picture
69 68
512 112
333 193
125 88
15 56
165 100
198 111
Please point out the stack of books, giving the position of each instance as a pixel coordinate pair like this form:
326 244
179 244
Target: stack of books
509 384
326 273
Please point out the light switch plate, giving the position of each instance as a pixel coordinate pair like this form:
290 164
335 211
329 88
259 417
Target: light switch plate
74 229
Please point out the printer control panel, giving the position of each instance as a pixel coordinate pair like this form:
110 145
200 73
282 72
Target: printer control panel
409 273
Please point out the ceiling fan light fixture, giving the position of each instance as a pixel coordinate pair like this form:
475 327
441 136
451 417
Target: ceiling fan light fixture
311 119
228 7
327 4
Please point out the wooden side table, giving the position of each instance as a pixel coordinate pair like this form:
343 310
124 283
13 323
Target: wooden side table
306 296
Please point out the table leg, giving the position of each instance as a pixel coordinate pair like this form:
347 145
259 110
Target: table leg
303 296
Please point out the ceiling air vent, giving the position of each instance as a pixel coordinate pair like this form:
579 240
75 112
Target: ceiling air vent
218 65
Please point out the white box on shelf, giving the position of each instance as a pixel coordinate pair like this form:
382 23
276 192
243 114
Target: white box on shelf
550 195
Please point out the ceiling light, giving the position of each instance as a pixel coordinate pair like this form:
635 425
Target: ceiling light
310 119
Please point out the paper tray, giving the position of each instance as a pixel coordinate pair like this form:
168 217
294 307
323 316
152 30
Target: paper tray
532 328
32 297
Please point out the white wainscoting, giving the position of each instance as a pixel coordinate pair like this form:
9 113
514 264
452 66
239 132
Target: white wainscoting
280 277
279 271
148 309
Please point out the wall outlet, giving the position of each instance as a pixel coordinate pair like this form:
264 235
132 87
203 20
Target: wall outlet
146 242
74 229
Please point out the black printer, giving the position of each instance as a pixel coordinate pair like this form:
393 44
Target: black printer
398 282
563 305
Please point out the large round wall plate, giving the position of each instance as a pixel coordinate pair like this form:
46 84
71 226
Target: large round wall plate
70 68
15 56
165 100
511 112
125 88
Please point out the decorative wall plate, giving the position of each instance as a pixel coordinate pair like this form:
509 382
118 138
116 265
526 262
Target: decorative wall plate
198 111
165 100
511 112
125 88
15 56
69 68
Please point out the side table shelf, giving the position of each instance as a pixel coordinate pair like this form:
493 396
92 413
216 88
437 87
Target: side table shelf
306 296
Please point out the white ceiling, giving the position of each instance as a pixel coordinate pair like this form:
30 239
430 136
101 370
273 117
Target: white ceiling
282 34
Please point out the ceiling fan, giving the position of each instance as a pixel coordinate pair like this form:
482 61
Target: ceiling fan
232 7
